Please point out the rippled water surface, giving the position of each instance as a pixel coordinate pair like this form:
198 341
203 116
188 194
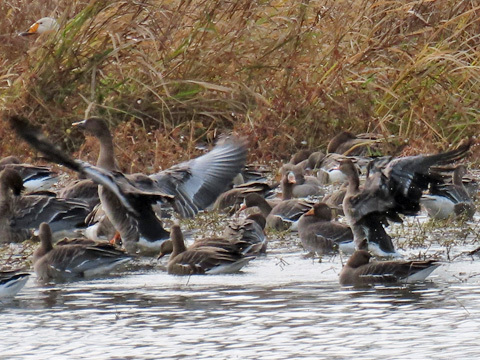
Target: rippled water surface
280 307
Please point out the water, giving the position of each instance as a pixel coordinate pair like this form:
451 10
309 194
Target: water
280 307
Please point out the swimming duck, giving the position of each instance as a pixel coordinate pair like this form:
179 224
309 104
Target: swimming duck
202 260
11 282
359 271
20 214
319 234
72 261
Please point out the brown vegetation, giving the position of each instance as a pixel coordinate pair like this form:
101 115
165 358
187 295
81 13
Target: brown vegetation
289 74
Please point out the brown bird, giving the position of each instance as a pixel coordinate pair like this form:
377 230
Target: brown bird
74 260
393 187
319 234
204 259
360 271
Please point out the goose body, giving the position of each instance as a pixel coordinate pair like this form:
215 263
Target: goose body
360 271
20 214
319 234
76 260
203 259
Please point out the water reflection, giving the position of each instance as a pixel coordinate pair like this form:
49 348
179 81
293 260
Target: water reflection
296 310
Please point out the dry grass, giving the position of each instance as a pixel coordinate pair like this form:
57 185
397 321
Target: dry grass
282 72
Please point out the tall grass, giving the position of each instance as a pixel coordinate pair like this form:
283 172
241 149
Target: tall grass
289 74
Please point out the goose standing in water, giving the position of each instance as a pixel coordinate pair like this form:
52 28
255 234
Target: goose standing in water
319 234
203 259
74 260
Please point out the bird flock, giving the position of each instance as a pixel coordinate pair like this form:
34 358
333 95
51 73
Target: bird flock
122 217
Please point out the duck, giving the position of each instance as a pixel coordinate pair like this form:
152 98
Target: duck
446 201
12 281
35 177
20 214
129 203
44 25
72 261
360 271
393 187
320 235
203 260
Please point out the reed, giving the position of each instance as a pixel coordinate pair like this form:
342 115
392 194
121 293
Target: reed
289 74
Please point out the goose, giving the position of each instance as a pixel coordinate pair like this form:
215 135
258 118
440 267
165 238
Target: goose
44 25
319 234
392 187
446 201
299 185
282 216
128 203
359 271
242 235
20 214
250 230
346 143
203 260
76 260
35 178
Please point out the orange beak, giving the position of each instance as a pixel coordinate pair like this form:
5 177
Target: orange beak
117 239
310 212
32 30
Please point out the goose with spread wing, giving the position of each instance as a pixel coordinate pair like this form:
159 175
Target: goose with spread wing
128 202
392 187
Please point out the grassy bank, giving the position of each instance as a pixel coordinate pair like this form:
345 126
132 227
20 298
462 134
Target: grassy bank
289 74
